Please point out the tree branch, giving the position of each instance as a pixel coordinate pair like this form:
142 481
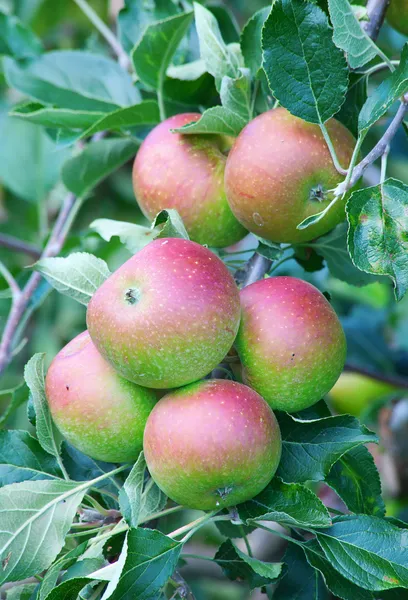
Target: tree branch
255 269
13 243
376 10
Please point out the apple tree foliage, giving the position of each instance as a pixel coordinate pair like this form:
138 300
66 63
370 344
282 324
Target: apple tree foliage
74 527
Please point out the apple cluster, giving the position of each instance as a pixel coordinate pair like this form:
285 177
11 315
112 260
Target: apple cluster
140 376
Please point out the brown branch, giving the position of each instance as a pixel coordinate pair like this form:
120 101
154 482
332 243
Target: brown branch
397 380
13 243
376 10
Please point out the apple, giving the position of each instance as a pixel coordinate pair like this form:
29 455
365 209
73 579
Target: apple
96 410
186 172
212 444
167 316
291 343
279 171
354 392
397 15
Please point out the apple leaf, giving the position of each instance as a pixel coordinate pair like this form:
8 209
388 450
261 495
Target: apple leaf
349 35
311 447
216 120
356 480
22 458
337 584
77 276
236 94
16 39
135 16
220 59
152 54
168 223
19 395
300 581
367 550
133 236
34 519
251 40
34 377
74 579
40 114
73 79
291 504
238 565
130 494
150 560
377 237
305 70
53 573
378 103
83 172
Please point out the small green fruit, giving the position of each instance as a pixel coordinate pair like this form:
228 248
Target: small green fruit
291 343
96 410
212 444
397 15
354 392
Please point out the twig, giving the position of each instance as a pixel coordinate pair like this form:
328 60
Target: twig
376 10
255 269
397 380
183 589
12 243
13 285
105 32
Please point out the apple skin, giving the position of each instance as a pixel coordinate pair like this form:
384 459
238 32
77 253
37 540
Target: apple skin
96 410
397 15
291 343
354 392
276 164
186 172
168 316
212 444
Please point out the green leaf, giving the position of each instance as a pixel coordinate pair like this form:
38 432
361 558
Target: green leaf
385 95
337 584
333 248
355 99
251 40
98 160
19 395
368 551
311 447
53 573
270 250
131 493
34 377
290 504
16 39
154 51
356 480
232 529
168 223
22 592
377 237
226 21
153 501
34 519
301 581
349 35
133 236
73 79
220 58
150 561
305 70
77 276
73 582
236 95
39 114
23 459
144 113
216 120
133 19
238 565
28 145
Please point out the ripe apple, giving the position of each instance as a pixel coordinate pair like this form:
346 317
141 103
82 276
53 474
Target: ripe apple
354 392
212 444
280 171
98 411
168 316
397 15
186 172
290 342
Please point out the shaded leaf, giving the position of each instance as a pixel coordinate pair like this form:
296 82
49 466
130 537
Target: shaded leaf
77 276
16 39
378 232
251 35
19 395
301 581
168 223
130 495
305 70
136 15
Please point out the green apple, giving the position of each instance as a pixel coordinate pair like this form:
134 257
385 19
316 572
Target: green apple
212 444
96 410
291 343
186 172
168 316
397 15
280 171
354 392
